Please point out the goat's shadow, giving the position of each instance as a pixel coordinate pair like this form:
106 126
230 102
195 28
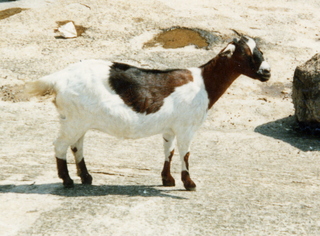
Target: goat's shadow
80 190
8 1
287 130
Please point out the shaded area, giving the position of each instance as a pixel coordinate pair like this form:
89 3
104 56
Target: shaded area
177 37
276 89
87 190
10 12
288 130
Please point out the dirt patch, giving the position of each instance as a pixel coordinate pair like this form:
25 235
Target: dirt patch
13 93
79 28
177 37
10 12
277 90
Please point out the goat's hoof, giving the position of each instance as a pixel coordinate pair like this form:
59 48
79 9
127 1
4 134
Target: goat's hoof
187 181
168 182
68 183
191 188
86 179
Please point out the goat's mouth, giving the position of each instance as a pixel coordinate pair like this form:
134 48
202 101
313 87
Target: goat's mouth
264 77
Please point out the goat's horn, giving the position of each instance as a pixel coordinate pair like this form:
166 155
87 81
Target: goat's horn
240 35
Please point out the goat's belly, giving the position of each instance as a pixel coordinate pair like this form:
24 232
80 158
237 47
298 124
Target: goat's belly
131 131
133 128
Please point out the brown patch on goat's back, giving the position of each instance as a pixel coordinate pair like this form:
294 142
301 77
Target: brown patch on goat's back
145 90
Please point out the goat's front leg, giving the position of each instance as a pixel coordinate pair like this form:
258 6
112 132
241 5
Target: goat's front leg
77 150
168 144
184 150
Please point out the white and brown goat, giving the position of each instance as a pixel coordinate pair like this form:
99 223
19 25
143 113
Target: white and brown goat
130 102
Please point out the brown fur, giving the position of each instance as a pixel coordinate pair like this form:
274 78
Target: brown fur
167 178
219 73
63 173
187 181
186 159
218 77
145 90
86 178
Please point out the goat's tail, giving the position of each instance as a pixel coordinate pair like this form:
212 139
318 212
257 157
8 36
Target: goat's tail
42 86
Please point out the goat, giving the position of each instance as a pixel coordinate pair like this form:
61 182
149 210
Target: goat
130 102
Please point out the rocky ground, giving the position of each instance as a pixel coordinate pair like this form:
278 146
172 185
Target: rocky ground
256 175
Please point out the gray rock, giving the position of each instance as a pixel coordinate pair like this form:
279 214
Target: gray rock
306 94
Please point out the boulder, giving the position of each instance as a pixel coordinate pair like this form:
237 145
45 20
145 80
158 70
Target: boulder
306 94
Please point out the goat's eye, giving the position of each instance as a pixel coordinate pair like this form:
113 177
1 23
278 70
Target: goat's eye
244 53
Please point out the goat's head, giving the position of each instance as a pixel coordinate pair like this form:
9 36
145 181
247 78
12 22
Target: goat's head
248 58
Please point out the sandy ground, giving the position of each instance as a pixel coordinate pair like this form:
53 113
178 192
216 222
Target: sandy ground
255 174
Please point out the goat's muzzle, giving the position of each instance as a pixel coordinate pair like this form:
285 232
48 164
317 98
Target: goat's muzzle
264 72
264 76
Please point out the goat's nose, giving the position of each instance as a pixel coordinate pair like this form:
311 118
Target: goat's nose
264 68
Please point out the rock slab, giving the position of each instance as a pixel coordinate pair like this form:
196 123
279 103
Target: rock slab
306 93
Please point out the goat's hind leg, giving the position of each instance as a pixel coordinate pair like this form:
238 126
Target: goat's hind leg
77 150
61 147
167 179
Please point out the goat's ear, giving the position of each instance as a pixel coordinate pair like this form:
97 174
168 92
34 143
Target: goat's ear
228 51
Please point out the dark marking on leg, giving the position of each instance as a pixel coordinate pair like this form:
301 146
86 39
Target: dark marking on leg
167 179
186 160
185 176
63 173
74 150
165 140
187 181
86 178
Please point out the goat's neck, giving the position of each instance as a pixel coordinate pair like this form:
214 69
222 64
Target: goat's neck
218 74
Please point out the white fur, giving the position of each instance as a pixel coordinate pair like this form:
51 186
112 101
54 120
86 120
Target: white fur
251 44
264 67
88 95
229 50
85 100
